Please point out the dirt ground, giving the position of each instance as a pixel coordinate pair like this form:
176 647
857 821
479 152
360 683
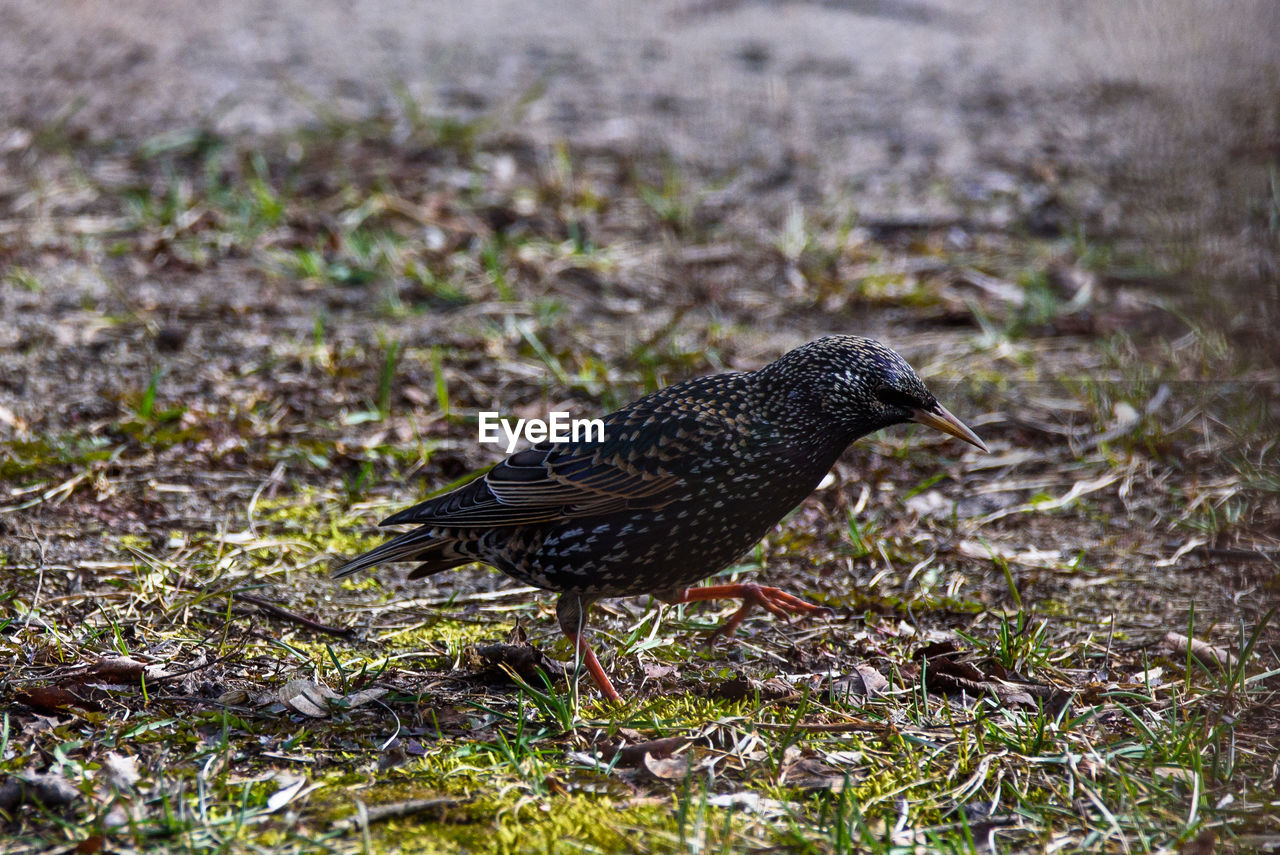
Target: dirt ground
263 264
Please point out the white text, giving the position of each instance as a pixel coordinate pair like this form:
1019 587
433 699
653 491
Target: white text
558 428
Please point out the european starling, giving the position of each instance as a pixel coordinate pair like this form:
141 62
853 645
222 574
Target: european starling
686 480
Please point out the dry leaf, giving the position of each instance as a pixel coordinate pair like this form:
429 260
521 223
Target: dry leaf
47 789
1028 557
1175 773
527 661
811 773
931 503
1202 650
417 397
634 755
360 698
744 688
53 700
306 697
948 672
862 683
232 697
673 768
393 755
1149 677
657 672
1205 843
90 845
121 669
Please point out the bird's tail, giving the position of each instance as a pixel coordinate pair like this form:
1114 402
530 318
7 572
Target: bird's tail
434 552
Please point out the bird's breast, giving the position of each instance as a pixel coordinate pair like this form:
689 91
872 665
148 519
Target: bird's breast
717 514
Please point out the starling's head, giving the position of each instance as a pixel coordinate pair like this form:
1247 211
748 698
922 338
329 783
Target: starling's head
860 386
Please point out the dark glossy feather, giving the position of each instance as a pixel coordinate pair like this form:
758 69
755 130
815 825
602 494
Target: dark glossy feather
685 480
640 464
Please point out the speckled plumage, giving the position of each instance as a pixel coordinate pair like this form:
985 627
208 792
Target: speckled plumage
686 480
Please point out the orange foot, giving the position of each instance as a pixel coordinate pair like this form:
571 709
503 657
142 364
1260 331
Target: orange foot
571 612
773 600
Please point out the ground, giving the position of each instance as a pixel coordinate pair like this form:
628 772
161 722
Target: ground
249 320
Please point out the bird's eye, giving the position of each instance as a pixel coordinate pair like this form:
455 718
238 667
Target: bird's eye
892 397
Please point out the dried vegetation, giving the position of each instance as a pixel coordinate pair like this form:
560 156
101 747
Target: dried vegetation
225 361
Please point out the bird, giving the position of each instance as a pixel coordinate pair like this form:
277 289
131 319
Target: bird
686 480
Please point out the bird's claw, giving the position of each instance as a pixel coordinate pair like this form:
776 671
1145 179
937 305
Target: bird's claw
773 600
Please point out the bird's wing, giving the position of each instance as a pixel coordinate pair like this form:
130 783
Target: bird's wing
644 459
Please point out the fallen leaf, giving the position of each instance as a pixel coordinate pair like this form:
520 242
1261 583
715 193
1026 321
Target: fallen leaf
360 698
673 768
1205 843
744 799
1149 677
811 773
527 661
862 683
120 815
1202 650
306 697
121 669
931 503
232 697
657 672
393 755
46 789
52 699
634 755
1176 773
1029 557
416 396
741 688
947 670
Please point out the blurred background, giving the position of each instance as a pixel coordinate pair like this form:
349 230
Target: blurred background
1145 117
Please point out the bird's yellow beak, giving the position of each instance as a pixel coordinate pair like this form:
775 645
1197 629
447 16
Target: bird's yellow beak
940 418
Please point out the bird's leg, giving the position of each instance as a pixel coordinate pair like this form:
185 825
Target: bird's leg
571 612
773 600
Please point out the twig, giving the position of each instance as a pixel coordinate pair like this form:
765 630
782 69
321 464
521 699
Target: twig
35 600
1202 650
836 727
173 675
272 609
399 810
1245 555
